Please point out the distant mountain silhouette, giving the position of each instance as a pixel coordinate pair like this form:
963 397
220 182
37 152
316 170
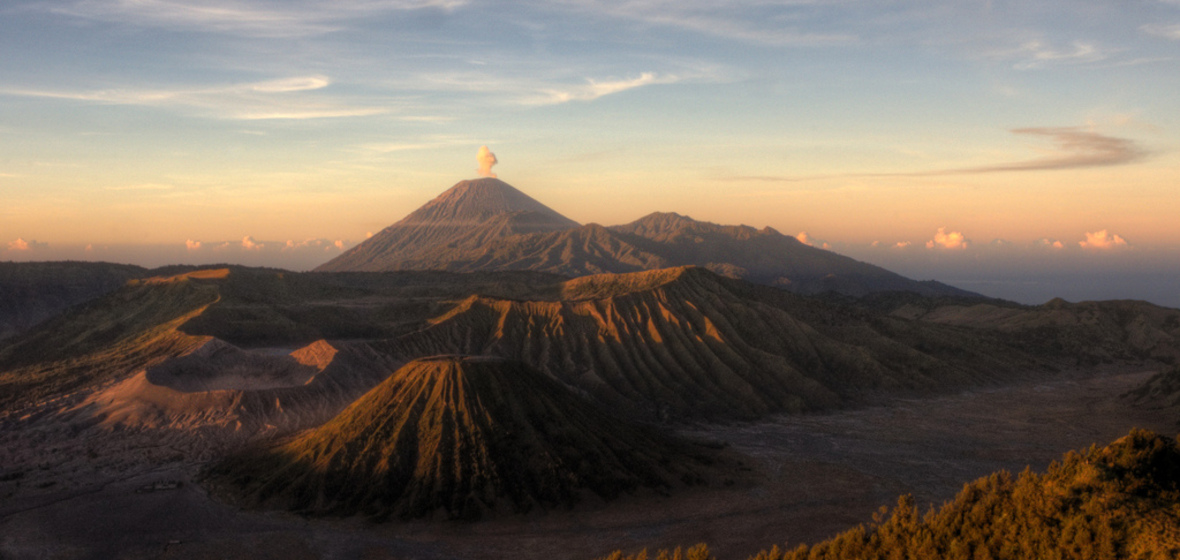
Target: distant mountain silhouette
486 224
468 214
459 437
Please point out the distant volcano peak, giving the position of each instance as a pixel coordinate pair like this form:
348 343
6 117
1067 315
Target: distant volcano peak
458 216
481 199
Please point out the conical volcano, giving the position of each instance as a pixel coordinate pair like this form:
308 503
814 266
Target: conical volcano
458 437
458 216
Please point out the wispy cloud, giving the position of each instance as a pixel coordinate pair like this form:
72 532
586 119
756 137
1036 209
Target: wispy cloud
239 17
1076 148
1166 31
787 22
284 98
1035 54
593 89
142 187
549 87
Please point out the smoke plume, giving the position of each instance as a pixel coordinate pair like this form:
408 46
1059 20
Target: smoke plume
486 160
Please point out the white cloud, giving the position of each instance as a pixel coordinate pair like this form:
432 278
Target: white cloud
1102 239
1047 243
806 239
249 244
902 244
948 240
315 244
192 245
21 245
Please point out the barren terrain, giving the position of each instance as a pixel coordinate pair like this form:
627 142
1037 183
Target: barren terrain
86 492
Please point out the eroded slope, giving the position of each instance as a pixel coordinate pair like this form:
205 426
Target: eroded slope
458 437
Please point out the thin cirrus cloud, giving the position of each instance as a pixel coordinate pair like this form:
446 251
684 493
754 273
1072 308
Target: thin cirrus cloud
1166 31
594 89
282 98
536 90
240 17
787 23
1076 148
1035 54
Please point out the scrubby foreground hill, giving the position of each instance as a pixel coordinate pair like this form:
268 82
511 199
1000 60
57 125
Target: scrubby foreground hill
1120 501
487 224
460 436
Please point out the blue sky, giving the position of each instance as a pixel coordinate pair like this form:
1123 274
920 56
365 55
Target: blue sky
137 126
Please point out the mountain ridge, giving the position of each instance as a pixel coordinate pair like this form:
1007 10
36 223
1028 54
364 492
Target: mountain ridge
486 224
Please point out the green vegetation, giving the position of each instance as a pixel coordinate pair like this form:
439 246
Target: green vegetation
1121 501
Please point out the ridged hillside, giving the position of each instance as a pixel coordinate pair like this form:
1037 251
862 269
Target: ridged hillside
687 342
462 213
458 437
31 293
1091 332
99 341
588 249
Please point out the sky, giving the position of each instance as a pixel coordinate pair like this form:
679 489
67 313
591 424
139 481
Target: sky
1024 150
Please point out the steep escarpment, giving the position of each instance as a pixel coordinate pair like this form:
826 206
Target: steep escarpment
685 342
459 437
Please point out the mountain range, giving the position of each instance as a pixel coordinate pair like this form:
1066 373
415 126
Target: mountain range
487 224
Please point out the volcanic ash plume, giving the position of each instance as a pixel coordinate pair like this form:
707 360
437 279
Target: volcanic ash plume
486 160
